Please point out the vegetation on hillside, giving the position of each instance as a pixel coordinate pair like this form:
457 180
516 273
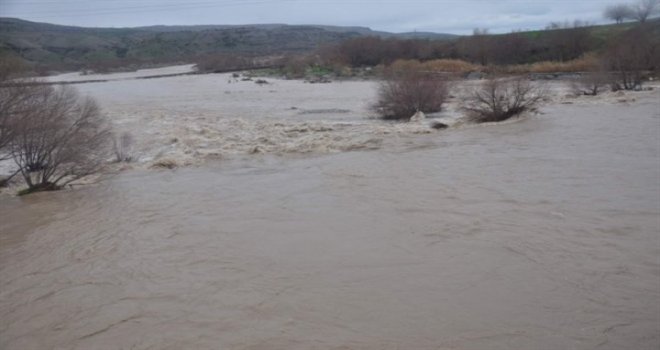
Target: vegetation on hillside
305 50
574 49
54 47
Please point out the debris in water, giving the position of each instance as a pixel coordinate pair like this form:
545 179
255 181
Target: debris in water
438 125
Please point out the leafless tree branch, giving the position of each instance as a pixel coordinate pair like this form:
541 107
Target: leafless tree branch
59 137
402 94
500 99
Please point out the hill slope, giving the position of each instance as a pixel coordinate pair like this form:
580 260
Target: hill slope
73 47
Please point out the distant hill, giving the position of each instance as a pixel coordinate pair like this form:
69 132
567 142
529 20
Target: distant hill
67 47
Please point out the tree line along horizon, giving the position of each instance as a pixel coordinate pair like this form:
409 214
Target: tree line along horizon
558 42
561 47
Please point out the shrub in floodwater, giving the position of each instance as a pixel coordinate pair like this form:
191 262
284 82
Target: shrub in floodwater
591 84
500 99
59 138
630 55
404 93
14 93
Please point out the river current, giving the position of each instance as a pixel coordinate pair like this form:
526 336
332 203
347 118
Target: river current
542 233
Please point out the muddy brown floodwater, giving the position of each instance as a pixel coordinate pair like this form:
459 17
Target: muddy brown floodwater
537 234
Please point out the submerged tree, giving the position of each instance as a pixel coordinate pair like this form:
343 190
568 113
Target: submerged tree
12 96
630 55
59 137
404 93
500 99
9 100
591 83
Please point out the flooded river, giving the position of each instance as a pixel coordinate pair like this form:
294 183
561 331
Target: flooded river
536 234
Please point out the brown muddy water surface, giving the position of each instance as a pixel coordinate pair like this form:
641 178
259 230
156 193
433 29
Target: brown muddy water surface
537 234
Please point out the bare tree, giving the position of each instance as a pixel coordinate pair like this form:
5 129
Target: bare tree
500 99
618 13
59 138
8 104
12 95
15 100
402 94
644 9
591 84
630 55
8 99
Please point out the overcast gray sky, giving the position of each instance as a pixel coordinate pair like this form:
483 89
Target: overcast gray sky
446 16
